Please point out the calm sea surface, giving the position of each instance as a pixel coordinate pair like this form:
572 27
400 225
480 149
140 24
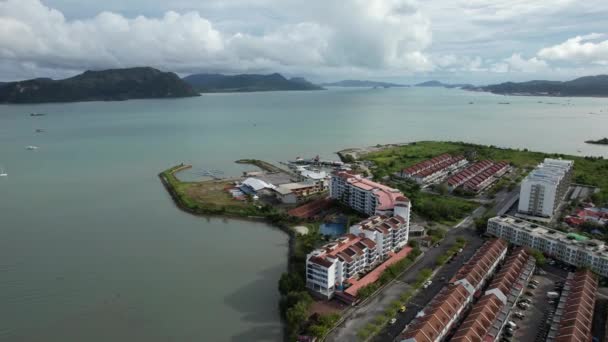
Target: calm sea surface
93 249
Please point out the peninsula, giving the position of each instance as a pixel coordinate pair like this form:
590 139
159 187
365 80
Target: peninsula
363 84
218 83
603 141
590 86
105 85
446 185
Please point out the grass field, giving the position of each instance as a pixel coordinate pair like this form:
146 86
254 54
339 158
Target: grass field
208 197
587 170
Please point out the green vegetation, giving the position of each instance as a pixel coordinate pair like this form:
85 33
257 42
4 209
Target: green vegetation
104 85
322 325
442 259
436 235
444 209
538 255
587 170
209 197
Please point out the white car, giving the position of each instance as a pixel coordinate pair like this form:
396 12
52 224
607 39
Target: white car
393 321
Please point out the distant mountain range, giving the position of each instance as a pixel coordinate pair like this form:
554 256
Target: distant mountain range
106 85
209 83
441 84
583 86
363 83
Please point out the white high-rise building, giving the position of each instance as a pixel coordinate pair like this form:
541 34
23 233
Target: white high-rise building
544 188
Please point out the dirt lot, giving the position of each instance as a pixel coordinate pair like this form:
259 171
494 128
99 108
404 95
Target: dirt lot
211 192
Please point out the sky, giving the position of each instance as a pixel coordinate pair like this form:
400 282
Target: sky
407 41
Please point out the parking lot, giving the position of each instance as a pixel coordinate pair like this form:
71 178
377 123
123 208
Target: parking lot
533 326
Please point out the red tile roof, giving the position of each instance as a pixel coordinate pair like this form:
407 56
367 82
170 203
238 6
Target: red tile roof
440 312
477 324
577 316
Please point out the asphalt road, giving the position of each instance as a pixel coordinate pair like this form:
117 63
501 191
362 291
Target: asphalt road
365 313
424 296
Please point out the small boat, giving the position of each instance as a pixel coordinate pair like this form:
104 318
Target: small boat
3 173
31 148
471 102
39 130
37 114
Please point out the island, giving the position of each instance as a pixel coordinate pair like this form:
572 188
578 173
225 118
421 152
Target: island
439 84
451 212
603 141
217 83
590 86
363 84
104 85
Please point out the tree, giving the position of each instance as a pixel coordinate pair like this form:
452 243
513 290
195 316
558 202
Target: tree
538 255
297 315
290 282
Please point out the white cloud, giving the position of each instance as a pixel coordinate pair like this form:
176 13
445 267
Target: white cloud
371 34
580 49
532 65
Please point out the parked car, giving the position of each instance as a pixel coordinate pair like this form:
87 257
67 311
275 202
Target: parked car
532 286
402 308
519 314
393 321
529 293
535 282
526 300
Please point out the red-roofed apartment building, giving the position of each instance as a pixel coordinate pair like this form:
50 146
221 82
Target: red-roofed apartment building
367 196
439 317
368 244
330 266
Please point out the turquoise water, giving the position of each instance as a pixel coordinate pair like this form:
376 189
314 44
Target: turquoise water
92 248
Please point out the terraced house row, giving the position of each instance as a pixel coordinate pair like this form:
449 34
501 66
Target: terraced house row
574 315
478 176
490 314
439 318
434 169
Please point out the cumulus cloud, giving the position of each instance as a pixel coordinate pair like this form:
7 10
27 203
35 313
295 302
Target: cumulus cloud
374 34
580 49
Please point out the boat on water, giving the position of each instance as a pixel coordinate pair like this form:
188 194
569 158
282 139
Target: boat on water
3 172
31 148
39 130
37 114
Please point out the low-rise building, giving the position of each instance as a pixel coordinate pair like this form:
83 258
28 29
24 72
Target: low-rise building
572 249
573 318
434 169
291 193
441 315
487 177
255 186
367 196
490 313
544 188
468 173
